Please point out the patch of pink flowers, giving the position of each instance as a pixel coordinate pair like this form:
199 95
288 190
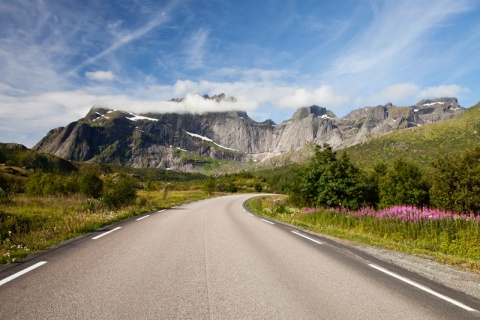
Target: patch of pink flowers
404 213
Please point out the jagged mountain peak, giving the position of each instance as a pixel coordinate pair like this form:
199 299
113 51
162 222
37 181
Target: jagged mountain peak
217 97
181 141
445 101
313 110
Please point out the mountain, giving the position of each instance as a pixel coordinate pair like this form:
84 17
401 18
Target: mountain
187 141
422 144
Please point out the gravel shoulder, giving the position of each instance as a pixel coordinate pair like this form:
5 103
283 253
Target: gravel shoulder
464 281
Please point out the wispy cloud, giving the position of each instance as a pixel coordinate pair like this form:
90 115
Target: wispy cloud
126 38
195 48
100 75
394 34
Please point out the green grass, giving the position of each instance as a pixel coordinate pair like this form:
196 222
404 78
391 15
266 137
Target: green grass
451 241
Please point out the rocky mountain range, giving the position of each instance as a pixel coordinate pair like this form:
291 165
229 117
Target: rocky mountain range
187 141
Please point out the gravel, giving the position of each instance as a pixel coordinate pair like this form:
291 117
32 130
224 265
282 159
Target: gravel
461 280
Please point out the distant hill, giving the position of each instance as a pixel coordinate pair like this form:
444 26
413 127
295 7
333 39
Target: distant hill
17 155
188 141
18 162
422 143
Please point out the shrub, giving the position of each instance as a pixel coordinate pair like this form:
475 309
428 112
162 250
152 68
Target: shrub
119 192
231 188
209 186
45 185
91 185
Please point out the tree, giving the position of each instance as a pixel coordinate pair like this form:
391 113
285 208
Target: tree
403 184
456 182
119 192
91 185
329 180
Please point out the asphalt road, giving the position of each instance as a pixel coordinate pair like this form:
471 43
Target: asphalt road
214 260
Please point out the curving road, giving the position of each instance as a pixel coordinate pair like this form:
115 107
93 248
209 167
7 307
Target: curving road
214 260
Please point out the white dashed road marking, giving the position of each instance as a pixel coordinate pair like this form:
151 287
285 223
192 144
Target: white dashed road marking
18 274
104 234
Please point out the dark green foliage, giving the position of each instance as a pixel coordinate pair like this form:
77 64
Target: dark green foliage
258 187
119 192
330 180
91 185
209 186
231 188
372 177
403 184
280 179
456 182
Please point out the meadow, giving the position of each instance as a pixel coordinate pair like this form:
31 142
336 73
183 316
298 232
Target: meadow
30 224
447 237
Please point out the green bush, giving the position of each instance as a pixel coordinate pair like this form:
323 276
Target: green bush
209 186
403 184
119 192
91 185
231 188
46 185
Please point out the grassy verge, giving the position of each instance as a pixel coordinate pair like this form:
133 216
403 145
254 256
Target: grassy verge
31 224
446 237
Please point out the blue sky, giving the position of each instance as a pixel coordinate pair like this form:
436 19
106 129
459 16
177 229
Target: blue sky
59 58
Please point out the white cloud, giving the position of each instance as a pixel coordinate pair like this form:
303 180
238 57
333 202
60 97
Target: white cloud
324 96
397 92
451 90
409 93
100 75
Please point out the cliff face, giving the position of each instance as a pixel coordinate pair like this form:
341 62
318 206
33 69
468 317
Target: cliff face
185 141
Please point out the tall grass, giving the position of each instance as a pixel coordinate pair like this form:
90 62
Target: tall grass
447 236
31 224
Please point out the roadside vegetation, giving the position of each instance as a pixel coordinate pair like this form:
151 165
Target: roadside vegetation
41 206
431 210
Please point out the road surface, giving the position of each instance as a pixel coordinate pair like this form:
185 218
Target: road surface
212 259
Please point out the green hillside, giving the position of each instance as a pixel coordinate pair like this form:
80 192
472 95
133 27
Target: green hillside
421 144
16 155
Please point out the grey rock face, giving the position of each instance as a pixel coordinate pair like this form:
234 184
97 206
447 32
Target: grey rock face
185 141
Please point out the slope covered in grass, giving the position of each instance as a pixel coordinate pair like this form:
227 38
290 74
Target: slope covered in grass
423 143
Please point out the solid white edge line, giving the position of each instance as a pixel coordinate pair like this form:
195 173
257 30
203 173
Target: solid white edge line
104 234
251 214
141 218
18 274
421 287
161 211
267 221
301 235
